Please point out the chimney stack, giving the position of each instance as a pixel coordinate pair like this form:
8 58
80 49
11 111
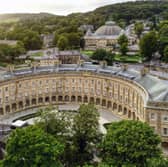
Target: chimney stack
103 64
144 71
10 68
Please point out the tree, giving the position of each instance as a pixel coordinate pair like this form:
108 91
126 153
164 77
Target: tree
31 146
99 165
74 40
54 122
99 54
130 143
82 43
5 52
62 42
9 53
17 50
148 45
32 40
138 28
158 162
163 37
165 58
85 132
56 37
102 54
123 43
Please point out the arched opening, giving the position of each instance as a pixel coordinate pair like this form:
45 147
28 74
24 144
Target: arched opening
114 106
79 99
14 107
20 105
53 98
34 101
129 114
47 99
109 104
40 100
85 99
120 109
66 98
97 101
165 145
27 102
7 108
92 100
60 98
73 98
125 111
1 111
103 102
133 116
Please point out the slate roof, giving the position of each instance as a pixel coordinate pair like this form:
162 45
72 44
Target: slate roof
156 88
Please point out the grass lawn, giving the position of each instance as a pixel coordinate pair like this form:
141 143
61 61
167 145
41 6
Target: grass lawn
128 58
117 57
89 53
37 54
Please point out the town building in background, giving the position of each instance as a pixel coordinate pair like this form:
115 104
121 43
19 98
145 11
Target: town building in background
106 37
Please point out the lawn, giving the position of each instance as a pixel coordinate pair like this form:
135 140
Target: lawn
117 57
37 54
128 58
89 53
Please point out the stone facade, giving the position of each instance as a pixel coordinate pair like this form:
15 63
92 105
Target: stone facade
64 57
121 96
106 37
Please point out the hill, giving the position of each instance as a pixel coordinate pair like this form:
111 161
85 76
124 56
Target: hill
120 12
129 11
15 17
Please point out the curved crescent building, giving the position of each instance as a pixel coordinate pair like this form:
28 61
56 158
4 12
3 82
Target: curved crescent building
126 92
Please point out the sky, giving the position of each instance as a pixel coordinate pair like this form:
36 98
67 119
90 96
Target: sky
59 7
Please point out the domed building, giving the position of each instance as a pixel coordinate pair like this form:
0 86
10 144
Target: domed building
104 37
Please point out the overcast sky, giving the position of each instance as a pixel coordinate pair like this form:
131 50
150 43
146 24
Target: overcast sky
60 7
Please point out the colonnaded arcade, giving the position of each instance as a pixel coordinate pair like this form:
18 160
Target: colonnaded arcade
125 92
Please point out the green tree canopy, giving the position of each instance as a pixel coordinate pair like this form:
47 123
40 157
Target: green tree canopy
130 143
33 147
158 162
138 28
54 122
148 45
102 54
165 58
62 42
85 132
123 43
163 37
10 53
32 40
74 40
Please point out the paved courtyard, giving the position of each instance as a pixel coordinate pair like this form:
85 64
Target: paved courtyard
105 115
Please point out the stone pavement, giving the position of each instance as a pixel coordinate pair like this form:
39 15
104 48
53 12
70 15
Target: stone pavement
105 115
